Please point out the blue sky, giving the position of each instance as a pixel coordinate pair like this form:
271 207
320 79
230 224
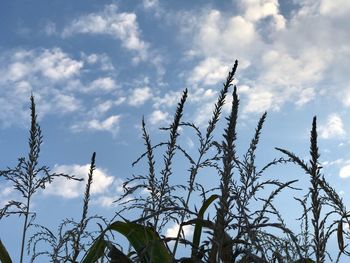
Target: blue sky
97 67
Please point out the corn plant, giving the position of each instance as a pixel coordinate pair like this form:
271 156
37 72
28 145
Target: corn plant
28 177
235 221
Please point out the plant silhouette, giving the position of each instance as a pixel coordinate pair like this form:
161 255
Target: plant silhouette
234 221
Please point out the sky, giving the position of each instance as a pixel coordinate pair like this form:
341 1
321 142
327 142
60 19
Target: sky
97 67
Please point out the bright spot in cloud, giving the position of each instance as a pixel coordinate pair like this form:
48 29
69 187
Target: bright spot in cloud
172 231
345 171
334 128
71 188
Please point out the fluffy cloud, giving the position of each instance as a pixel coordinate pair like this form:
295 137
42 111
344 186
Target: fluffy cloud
110 124
71 189
150 4
209 71
218 35
333 128
283 60
52 64
157 117
102 60
119 25
105 84
6 194
107 124
139 96
60 85
105 188
260 101
331 8
47 73
255 10
169 99
172 231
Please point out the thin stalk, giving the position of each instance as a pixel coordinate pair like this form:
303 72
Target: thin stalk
229 154
34 149
167 171
316 204
204 146
151 163
82 224
24 231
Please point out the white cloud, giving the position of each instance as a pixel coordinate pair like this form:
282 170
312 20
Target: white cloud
60 86
172 231
260 101
66 103
346 97
120 25
220 36
305 96
106 84
334 8
111 123
103 106
105 201
6 194
334 162
169 99
53 64
157 117
334 128
203 113
255 10
345 171
57 65
102 60
46 73
71 188
150 4
209 71
284 60
139 96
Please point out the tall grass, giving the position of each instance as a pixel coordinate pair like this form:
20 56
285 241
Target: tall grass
237 220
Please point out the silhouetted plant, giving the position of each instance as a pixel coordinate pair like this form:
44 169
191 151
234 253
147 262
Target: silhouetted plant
236 194
247 226
73 237
27 177
322 195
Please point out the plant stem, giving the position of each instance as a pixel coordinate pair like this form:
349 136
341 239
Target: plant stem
25 226
204 146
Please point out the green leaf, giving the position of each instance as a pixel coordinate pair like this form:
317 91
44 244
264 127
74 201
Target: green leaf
4 255
115 255
145 240
96 251
199 224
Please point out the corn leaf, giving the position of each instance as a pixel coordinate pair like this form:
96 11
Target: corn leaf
115 255
4 255
145 240
199 224
96 251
